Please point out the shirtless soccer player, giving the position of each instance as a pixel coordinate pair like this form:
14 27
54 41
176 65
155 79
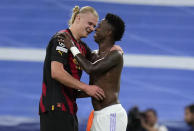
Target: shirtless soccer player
105 71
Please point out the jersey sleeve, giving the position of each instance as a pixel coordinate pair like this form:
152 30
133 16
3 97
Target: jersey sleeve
89 54
59 52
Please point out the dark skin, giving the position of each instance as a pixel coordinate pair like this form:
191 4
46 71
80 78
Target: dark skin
105 69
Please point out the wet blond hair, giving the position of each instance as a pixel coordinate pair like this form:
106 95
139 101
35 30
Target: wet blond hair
85 9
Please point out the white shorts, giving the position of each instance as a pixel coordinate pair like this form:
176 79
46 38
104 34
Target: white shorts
111 118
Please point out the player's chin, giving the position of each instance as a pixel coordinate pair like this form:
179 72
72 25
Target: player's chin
86 34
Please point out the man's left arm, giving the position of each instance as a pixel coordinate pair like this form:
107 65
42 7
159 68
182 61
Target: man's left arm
101 65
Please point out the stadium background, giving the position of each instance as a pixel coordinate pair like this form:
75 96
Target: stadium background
159 57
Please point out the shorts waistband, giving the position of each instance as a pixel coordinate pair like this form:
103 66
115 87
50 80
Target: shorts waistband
109 109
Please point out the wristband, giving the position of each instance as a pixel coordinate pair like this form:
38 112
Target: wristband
74 51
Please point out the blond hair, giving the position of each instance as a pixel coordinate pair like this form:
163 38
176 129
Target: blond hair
85 9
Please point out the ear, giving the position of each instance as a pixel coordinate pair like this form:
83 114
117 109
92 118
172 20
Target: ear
109 33
77 18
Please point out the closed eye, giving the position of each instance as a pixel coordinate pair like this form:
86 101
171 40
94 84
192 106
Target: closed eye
91 24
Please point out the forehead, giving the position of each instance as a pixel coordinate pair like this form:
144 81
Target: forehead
103 22
89 17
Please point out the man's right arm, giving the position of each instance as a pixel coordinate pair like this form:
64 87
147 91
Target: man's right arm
60 74
59 58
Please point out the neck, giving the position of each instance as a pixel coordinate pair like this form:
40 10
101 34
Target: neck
105 47
74 32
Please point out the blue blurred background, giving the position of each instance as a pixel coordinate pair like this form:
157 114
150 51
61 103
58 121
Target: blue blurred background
159 57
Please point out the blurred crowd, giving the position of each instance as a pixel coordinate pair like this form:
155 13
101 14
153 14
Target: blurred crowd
148 119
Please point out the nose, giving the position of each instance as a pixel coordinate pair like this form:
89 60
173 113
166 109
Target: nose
92 28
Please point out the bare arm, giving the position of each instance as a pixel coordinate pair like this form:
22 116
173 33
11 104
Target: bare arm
58 73
113 58
102 65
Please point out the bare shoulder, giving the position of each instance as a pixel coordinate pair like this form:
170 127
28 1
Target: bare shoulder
117 48
116 56
116 53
